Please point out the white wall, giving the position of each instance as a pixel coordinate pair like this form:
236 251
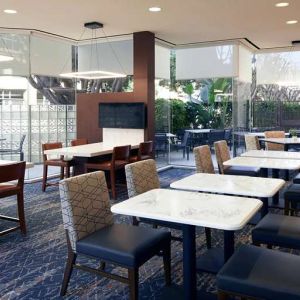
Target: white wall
162 62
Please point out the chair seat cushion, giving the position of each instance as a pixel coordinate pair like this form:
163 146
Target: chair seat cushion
297 179
262 273
292 194
242 171
124 245
278 230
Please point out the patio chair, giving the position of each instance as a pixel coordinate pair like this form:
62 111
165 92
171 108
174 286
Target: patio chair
79 142
274 134
161 143
228 137
18 150
91 231
184 145
214 136
203 160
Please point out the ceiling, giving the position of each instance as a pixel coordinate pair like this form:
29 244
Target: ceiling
179 22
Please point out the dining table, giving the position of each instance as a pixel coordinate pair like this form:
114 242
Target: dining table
272 154
263 188
286 142
83 153
190 210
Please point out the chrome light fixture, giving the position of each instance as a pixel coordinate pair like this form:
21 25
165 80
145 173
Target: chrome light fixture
95 74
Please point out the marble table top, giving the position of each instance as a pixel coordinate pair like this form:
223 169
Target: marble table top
267 163
288 141
192 208
89 150
198 130
29 165
258 134
230 184
272 154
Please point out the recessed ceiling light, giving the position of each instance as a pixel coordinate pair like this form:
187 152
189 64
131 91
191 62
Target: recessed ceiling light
291 22
282 4
154 9
10 11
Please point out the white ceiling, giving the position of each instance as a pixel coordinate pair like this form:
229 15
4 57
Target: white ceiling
179 22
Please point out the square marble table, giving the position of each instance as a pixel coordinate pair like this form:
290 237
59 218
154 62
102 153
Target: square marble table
284 141
272 154
29 165
192 209
257 187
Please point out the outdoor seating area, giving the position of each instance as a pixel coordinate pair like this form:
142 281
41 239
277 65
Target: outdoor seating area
149 150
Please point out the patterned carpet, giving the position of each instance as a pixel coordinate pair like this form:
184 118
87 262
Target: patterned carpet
31 267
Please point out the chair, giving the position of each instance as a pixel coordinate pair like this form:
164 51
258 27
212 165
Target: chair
142 177
91 231
274 134
259 273
252 142
18 150
79 142
144 152
161 143
291 199
56 162
228 137
277 230
203 160
215 135
184 145
9 173
223 154
120 157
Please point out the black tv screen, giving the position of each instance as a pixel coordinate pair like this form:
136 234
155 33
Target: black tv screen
122 115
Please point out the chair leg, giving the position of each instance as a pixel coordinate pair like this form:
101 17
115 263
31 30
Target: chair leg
45 174
102 265
68 171
167 264
62 173
113 183
222 295
133 276
286 207
208 237
21 213
135 221
68 271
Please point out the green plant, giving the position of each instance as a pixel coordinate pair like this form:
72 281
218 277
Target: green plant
189 89
293 132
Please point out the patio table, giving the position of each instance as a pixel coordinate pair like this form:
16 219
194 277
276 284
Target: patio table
272 154
287 142
190 209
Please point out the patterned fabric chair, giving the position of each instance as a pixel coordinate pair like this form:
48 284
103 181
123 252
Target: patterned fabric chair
203 160
252 142
223 154
142 177
274 134
91 231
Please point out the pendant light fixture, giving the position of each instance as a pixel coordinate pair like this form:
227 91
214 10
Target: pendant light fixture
96 73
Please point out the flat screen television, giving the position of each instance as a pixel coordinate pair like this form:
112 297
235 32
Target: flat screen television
122 115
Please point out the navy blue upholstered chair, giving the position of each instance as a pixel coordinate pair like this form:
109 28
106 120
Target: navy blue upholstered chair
292 198
260 273
91 231
277 230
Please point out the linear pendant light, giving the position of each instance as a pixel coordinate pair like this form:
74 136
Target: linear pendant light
95 74
4 58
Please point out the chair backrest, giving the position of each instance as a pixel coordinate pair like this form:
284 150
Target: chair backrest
203 160
79 142
145 148
85 205
50 146
15 171
252 142
216 135
121 153
274 134
185 139
228 134
222 154
141 177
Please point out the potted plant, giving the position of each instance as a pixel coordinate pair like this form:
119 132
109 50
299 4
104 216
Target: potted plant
293 133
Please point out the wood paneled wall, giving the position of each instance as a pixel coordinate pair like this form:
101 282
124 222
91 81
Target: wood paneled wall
144 91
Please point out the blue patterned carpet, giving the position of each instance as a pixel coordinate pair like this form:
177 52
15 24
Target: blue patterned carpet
31 267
